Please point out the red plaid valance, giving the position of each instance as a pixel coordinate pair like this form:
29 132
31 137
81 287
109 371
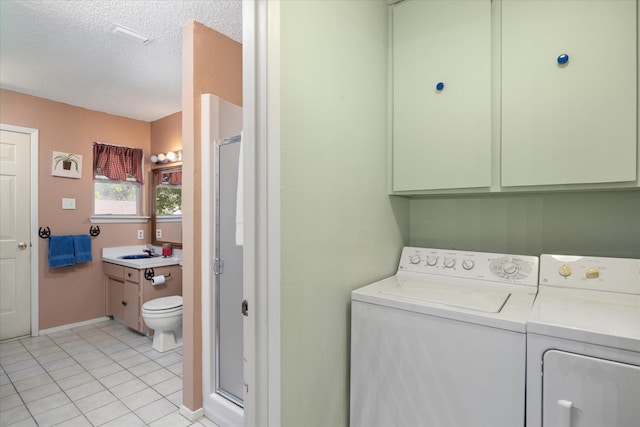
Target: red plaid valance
171 178
117 163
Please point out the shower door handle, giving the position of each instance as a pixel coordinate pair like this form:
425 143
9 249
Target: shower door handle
245 307
218 266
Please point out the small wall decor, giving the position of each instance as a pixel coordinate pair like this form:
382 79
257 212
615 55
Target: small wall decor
67 165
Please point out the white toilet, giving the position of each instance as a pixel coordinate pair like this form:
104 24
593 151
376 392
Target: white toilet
164 316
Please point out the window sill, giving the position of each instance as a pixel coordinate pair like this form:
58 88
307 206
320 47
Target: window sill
117 219
169 218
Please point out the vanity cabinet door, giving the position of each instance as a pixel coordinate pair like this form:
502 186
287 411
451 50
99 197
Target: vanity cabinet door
132 307
115 297
569 94
441 59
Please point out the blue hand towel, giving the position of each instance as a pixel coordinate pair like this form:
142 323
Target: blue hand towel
82 248
61 251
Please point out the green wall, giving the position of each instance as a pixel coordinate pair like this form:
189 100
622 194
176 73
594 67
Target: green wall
602 223
339 229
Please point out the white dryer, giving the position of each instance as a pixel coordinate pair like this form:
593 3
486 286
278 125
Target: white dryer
583 344
443 342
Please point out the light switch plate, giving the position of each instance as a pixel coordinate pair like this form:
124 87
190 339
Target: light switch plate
68 203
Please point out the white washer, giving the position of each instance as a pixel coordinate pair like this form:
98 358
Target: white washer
443 342
583 343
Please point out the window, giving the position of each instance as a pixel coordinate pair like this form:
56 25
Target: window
169 194
117 175
116 197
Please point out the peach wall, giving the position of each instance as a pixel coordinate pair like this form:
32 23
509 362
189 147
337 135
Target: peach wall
212 63
73 294
166 135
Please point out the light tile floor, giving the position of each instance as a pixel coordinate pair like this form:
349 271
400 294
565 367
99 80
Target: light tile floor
97 375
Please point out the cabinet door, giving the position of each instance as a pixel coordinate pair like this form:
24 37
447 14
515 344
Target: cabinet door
132 308
115 297
575 122
441 137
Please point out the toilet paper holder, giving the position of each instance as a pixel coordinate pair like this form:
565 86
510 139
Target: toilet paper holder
149 274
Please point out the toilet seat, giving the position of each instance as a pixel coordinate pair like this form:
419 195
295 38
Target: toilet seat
149 314
164 305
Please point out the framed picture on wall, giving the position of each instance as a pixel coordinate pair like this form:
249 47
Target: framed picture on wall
67 165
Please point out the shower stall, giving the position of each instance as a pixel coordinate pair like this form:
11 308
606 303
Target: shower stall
223 382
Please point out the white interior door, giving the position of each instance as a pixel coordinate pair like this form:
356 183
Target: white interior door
15 278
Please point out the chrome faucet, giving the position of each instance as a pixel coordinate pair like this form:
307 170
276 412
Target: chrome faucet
149 251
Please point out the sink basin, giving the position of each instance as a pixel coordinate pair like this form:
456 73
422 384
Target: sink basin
138 256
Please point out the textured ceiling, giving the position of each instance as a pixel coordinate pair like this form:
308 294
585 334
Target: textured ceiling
62 50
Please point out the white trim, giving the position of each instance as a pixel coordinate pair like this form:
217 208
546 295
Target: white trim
191 415
33 193
117 219
272 215
261 151
256 394
207 219
168 218
73 325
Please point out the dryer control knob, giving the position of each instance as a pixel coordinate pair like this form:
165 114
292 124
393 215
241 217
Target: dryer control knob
449 262
592 273
432 260
468 264
565 270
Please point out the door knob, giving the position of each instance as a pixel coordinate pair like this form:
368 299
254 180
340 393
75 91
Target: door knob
22 246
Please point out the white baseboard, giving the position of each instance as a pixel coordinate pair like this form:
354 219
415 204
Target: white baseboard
191 415
72 325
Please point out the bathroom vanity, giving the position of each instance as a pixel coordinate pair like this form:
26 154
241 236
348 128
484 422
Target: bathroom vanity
127 288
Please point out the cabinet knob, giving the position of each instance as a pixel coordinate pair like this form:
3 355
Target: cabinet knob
563 59
439 86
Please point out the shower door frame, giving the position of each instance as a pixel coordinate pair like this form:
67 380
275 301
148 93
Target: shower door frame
218 273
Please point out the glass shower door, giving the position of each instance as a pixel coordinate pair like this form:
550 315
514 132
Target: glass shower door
228 276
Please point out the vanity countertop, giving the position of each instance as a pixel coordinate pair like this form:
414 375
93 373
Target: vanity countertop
113 255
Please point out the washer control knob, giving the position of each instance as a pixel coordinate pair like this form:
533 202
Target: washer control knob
415 259
510 268
565 270
449 262
432 260
592 273
468 264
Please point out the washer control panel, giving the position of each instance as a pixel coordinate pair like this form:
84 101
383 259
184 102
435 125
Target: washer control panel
595 273
504 268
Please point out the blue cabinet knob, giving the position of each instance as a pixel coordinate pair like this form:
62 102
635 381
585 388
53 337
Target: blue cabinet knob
439 86
563 59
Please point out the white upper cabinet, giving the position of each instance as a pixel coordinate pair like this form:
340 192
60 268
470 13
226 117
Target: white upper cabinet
569 119
441 58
